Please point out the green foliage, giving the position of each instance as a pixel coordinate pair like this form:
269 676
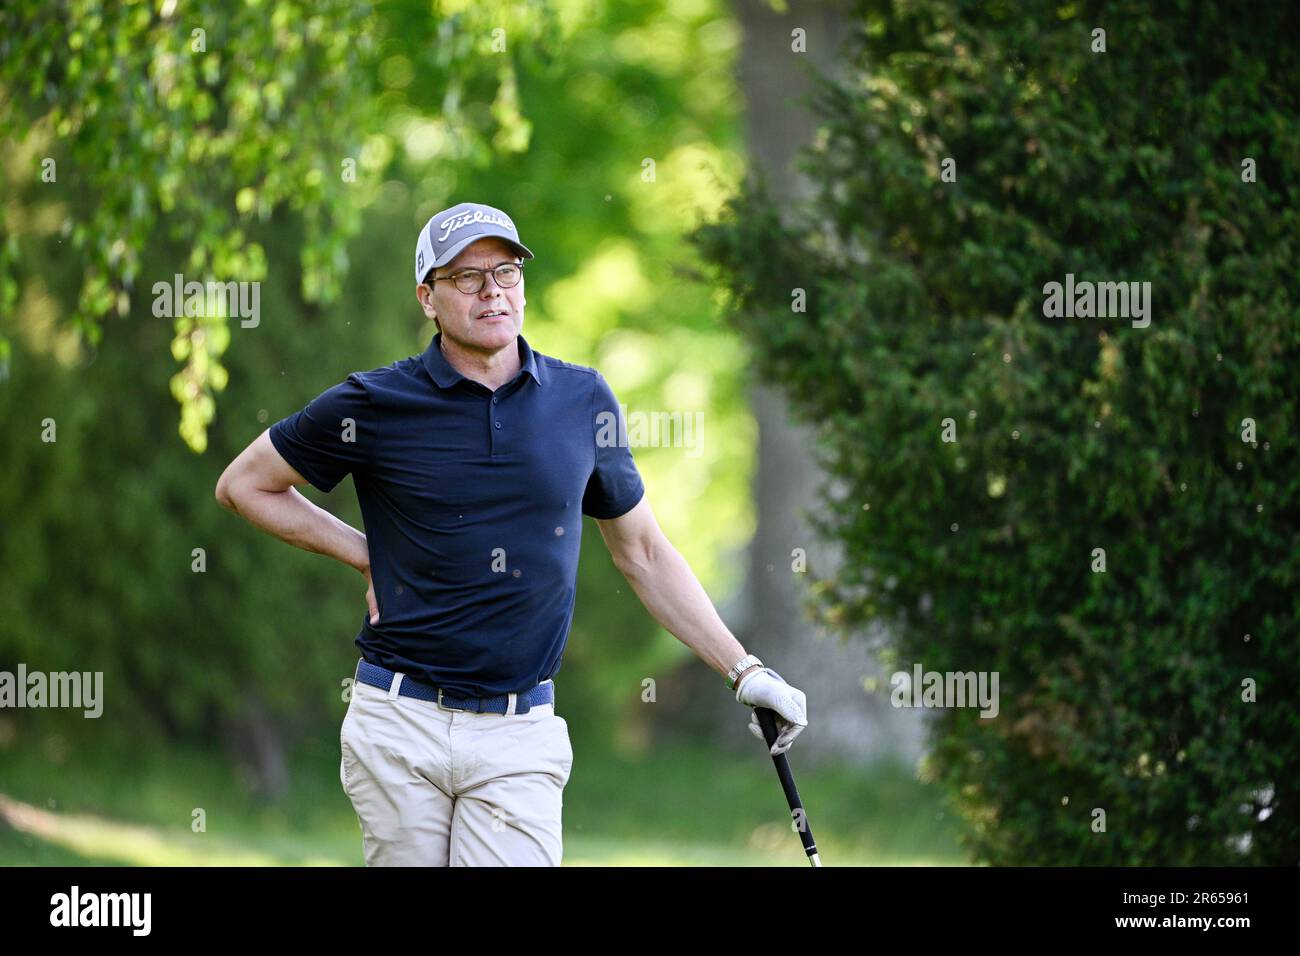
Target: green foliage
199 121
196 120
1119 690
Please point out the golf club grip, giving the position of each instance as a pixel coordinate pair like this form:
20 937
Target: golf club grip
767 721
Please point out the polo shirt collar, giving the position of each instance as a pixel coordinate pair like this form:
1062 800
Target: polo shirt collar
445 375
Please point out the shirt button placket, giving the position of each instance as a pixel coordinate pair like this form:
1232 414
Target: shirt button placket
496 425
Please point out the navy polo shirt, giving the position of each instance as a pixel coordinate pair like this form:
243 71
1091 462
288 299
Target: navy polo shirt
473 502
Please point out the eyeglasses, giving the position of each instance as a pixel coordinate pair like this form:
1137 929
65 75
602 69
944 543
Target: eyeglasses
471 281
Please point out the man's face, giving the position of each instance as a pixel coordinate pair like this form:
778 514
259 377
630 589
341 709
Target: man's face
460 314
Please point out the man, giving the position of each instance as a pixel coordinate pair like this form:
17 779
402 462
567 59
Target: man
473 464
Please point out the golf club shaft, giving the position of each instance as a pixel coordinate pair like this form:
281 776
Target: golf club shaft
767 721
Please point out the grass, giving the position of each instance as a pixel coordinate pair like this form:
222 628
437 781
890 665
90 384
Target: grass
674 806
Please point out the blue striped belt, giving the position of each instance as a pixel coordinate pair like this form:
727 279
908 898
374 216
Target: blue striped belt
382 677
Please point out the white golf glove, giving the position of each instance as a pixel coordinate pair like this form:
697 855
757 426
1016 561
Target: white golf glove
766 688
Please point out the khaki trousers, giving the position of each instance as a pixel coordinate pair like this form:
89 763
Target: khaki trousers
432 786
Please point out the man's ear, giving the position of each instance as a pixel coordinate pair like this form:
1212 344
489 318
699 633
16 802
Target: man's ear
420 292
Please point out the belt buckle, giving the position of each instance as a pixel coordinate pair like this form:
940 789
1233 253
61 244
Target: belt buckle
448 707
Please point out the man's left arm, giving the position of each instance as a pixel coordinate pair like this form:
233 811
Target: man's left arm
673 595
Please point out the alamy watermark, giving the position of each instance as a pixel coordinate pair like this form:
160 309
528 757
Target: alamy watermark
75 908
55 689
942 689
651 430
1100 300
242 300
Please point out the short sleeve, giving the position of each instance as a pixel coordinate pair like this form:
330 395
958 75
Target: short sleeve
615 485
333 436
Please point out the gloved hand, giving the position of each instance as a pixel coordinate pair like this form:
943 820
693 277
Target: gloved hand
766 688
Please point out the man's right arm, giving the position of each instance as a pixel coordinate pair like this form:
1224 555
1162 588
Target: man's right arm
258 485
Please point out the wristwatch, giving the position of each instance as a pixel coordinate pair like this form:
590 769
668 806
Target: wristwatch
744 664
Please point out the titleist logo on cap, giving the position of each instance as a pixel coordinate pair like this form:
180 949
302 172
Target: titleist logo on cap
467 219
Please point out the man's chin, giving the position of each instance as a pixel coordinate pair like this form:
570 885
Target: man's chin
492 335
500 332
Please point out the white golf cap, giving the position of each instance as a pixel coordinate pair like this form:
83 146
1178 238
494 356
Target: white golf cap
448 232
